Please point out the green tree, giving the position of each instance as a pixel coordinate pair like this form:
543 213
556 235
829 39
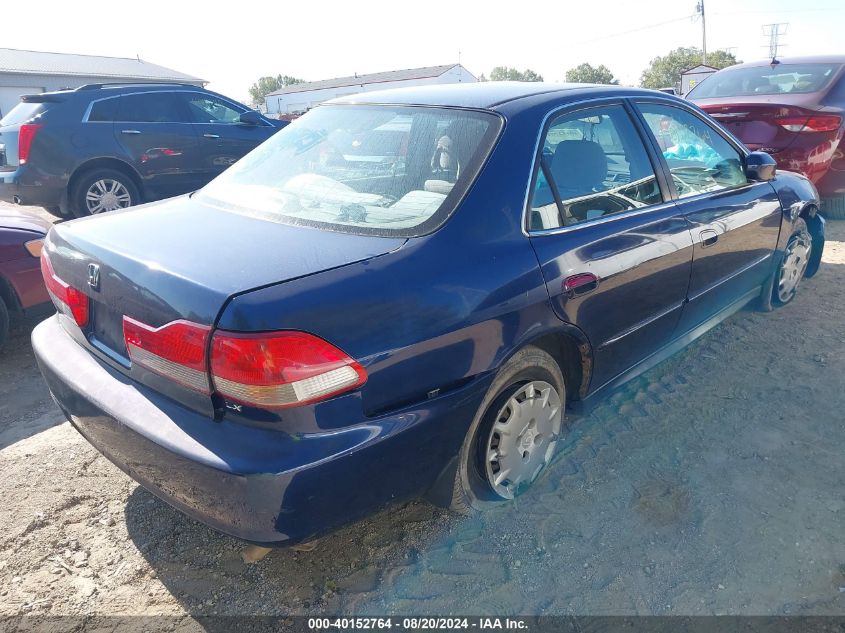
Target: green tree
665 71
504 73
588 74
266 85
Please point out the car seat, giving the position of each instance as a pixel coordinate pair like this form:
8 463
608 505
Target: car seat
579 168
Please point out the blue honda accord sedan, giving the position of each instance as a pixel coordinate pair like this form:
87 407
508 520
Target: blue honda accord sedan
406 293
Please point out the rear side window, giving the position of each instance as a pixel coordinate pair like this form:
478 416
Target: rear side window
151 107
592 164
22 113
105 110
699 158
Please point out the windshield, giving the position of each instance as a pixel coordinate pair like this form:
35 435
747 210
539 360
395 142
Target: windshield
21 113
765 80
384 170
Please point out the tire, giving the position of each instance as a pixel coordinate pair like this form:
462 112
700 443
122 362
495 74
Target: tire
4 323
793 264
475 487
833 208
113 189
57 211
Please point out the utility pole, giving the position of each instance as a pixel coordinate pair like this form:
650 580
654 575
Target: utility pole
699 9
774 32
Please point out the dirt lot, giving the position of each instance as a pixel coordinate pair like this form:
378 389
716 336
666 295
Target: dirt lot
714 484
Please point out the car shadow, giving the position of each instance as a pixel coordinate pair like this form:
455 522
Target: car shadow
203 569
26 407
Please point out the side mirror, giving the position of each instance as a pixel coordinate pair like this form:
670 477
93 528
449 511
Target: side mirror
251 117
760 166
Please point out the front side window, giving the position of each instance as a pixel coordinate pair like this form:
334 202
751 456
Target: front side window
766 80
207 109
384 170
699 158
592 164
151 107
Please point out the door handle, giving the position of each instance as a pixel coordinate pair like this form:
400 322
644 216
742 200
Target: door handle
130 131
708 238
211 135
580 284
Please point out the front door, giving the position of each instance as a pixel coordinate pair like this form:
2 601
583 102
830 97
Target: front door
222 138
614 251
734 223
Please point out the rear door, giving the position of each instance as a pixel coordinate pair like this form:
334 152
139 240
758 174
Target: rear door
222 138
615 252
735 223
155 133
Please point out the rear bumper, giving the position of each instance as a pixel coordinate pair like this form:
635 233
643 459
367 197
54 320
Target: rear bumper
263 486
25 186
24 276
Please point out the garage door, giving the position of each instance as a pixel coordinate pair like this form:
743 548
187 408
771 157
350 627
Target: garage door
11 95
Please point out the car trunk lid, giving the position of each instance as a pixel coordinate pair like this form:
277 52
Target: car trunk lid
182 260
756 121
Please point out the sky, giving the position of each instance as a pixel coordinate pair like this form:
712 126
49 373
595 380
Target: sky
231 44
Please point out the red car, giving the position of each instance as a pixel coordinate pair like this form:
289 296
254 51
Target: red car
22 290
792 108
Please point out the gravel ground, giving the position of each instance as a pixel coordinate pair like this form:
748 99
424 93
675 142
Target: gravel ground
713 484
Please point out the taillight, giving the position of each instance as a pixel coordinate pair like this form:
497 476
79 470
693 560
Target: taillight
26 134
275 369
67 299
176 350
815 123
280 369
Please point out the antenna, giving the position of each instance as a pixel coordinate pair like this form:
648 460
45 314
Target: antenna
774 32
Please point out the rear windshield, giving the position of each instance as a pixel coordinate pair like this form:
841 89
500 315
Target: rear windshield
383 170
765 80
21 113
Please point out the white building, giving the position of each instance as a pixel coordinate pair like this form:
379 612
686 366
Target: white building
300 97
31 72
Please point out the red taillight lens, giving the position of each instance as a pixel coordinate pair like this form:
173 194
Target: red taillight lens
26 134
816 123
66 298
176 350
280 369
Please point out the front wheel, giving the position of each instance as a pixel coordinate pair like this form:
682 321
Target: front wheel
793 264
103 190
514 434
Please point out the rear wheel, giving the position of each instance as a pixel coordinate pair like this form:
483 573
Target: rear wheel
103 190
793 264
514 434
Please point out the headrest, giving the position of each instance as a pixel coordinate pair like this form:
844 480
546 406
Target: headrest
578 166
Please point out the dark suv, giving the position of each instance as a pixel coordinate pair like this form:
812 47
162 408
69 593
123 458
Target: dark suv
102 147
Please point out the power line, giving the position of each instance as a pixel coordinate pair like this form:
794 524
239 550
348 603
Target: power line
636 30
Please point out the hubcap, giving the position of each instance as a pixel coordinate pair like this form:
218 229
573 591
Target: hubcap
794 265
523 438
107 195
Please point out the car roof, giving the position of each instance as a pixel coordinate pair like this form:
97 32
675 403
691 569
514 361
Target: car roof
812 59
486 94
